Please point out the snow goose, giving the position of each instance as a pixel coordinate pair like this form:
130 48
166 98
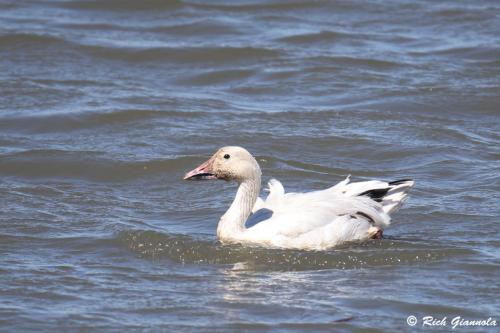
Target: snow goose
315 220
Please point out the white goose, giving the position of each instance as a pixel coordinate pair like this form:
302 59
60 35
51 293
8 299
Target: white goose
314 221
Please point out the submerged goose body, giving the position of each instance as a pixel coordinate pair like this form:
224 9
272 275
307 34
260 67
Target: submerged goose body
315 220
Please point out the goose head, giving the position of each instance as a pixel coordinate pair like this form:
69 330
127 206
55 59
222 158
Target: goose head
228 163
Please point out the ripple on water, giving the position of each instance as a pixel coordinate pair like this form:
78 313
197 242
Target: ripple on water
105 104
188 250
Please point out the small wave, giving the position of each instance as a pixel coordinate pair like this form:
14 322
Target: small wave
74 121
465 14
219 77
71 83
323 36
461 136
22 95
196 27
187 250
91 165
95 26
121 5
476 52
356 61
201 27
65 122
212 55
23 39
265 5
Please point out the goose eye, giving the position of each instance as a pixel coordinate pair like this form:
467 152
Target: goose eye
227 156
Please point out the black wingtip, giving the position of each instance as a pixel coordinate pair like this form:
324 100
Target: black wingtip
377 194
400 181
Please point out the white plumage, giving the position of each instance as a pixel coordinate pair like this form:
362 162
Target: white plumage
315 220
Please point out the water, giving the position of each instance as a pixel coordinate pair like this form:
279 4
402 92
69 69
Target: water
104 105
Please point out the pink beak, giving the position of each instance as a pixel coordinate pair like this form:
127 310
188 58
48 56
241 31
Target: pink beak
203 172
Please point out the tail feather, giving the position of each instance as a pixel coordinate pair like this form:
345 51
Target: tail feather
390 195
396 195
377 194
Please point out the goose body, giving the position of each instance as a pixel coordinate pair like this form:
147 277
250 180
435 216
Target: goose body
315 220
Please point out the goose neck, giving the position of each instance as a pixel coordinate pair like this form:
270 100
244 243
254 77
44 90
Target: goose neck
233 221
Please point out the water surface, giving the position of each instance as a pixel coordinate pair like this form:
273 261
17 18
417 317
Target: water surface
104 105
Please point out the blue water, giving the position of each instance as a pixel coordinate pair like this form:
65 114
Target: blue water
104 105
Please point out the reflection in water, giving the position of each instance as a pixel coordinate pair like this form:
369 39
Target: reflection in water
300 296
